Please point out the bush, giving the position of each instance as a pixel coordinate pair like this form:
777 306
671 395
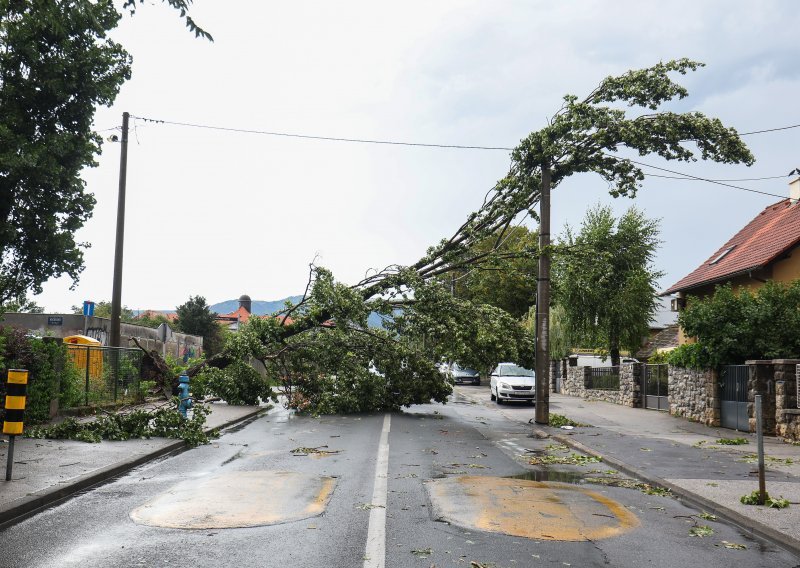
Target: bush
690 356
50 377
736 326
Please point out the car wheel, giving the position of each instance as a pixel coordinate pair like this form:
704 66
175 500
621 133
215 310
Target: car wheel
491 395
531 403
499 401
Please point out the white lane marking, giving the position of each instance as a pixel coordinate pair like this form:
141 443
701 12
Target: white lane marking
375 553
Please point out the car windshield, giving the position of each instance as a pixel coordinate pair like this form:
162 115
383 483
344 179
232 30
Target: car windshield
457 367
514 371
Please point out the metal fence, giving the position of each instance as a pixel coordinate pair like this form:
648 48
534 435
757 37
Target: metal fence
111 374
603 378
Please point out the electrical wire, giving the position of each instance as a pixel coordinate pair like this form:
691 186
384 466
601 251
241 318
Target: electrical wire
316 137
682 177
697 178
769 130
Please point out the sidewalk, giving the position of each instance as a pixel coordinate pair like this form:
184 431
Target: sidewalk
683 457
48 471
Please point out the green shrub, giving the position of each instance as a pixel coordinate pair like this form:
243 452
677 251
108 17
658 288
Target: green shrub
690 356
50 376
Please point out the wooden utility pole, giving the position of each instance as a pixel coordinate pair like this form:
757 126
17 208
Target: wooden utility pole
543 305
116 294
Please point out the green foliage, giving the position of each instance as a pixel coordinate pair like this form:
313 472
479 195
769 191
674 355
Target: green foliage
733 326
752 499
690 356
732 441
20 304
239 383
658 358
183 7
164 422
701 531
506 280
196 318
605 281
50 376
57 65
559 420
102 309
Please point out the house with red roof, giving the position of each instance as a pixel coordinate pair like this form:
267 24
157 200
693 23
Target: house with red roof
767 248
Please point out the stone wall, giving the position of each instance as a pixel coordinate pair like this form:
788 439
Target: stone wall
693 394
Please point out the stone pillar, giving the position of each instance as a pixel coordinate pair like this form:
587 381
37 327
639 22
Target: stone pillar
638 385
713 403
761 380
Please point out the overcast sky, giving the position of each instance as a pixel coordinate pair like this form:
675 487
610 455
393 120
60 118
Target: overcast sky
220 214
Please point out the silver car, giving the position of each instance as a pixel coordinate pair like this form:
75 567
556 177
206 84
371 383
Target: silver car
461 375
512 382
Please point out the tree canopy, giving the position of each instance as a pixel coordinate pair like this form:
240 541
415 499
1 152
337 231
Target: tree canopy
606 284
56 65
196 318
507 280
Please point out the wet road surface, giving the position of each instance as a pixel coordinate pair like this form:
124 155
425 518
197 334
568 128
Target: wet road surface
434 486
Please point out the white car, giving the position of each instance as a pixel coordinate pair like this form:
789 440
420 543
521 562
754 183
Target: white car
512 382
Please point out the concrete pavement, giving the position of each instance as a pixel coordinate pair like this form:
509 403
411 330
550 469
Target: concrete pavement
46 472
681 456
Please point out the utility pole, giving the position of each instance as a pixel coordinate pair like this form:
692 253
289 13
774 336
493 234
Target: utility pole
542 415
116 294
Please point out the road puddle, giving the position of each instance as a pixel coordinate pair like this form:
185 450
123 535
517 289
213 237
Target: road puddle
238 499
528 508
575 477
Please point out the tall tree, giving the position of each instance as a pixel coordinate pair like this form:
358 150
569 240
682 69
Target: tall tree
56 65
195 317
606 283
102 309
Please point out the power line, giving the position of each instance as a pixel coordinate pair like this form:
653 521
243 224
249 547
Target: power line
697 178
316 137
682 177
769 130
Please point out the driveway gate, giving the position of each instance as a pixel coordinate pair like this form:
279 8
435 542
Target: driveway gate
656 381
733 397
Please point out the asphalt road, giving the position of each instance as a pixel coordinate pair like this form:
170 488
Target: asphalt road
450 499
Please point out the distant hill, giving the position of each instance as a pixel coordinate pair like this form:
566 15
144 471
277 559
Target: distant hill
265 308
260 307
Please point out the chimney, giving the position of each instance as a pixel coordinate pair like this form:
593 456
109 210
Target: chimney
246 303
794 190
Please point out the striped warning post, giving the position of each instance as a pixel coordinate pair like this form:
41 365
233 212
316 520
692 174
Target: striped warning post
16 390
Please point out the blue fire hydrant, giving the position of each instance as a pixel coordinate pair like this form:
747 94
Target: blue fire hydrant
185 401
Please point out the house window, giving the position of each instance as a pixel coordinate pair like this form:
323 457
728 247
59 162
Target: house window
721 255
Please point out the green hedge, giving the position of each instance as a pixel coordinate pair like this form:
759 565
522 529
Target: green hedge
49 375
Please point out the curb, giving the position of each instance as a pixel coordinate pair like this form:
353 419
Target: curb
745 523
33 503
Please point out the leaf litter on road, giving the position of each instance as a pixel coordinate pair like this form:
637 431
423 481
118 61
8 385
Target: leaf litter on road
304 451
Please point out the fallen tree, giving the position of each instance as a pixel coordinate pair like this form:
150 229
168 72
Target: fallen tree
327 357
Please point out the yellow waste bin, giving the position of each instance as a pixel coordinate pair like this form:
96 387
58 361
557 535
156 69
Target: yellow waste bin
78 347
